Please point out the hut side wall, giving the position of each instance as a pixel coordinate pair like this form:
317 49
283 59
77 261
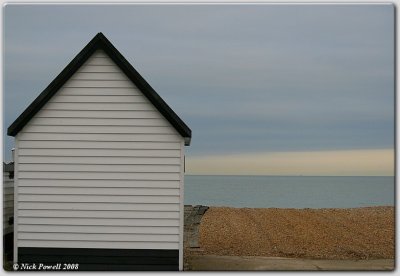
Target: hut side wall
8 210
8 201
100 168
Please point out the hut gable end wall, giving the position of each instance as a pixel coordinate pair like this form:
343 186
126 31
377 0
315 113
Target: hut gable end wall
99 167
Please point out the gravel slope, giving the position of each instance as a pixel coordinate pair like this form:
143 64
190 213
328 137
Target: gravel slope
359 233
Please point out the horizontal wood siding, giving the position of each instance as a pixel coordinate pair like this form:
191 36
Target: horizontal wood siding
43 174
99 129
103 137
98 244
98 198
103 206
117 183
98 237
98 221
99 152
99 167
8 203
103 114
100 230
99 145
42 190
97 121
90 259
100 91
99 106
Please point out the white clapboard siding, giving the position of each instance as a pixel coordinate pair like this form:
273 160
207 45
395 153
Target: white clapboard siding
88 183
110 206
97 175
96 122
100 91
8 202
97 237
96 191
99 53
99 244
98 106
98 83
99 152
99 221
97 214
101 99
99 69
103 114
99 198
100 76
117 137
99 167
171 230
99 145
106 160
100 129
100 61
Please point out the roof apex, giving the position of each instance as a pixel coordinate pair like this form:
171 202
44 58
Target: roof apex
100 41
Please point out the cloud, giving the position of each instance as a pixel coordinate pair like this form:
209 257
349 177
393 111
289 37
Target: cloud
332 163
245 78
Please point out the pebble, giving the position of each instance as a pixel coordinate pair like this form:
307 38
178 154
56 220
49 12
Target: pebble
356 233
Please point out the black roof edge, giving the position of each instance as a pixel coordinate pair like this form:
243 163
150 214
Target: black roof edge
101 42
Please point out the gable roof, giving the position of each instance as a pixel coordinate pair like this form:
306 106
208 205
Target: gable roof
101 42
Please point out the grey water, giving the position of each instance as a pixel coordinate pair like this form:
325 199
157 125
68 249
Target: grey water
290 191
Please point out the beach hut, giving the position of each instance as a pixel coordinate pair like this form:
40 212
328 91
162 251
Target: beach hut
8 208
99 170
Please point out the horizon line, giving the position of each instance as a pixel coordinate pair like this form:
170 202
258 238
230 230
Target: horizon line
280 175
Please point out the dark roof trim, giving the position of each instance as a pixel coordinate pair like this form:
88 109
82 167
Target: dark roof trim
101 42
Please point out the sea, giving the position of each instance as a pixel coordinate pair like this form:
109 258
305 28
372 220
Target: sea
289 191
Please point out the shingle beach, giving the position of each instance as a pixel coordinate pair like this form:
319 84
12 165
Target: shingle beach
357 233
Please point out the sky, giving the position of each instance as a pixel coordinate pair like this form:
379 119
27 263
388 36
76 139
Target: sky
266 89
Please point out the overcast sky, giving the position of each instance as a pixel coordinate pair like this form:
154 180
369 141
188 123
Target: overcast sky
249 80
